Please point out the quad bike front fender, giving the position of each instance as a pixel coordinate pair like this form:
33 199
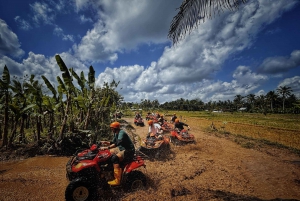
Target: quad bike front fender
133 165
84 165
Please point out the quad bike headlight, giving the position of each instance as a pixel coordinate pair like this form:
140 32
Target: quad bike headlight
79 165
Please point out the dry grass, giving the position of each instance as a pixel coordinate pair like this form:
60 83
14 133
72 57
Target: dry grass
281 129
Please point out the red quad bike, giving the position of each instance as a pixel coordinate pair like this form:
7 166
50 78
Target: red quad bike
88 172
155 147
139 121
183 136
166 126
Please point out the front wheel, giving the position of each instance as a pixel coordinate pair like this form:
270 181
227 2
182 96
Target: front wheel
80 191
135 180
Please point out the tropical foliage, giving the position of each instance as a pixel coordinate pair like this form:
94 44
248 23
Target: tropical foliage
281 102
192 12
32 110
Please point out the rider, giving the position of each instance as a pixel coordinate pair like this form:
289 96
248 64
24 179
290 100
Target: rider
121 147
173 118
161 120
137 115
155 129
179 125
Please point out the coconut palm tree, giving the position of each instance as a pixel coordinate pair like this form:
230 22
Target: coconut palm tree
238 101
251 100
284 91
272 96
192 12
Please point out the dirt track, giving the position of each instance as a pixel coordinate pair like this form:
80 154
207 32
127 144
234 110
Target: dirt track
212 169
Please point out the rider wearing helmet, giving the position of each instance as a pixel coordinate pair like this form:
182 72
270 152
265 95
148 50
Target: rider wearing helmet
179 125
137 115
161 120
121 147
174 117
154 128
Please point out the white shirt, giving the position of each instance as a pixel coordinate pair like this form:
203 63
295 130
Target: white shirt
154 128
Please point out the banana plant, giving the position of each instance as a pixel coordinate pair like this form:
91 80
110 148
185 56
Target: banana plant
5 85
66 86
18 112
34 90
20 102
52 104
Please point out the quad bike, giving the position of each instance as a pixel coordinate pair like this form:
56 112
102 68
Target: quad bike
139 121
149 116
89 170
166 126
152 146
182 136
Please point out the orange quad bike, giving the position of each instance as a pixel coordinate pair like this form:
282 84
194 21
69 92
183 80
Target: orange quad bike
139 121
182 137
155 146
89 170
167 127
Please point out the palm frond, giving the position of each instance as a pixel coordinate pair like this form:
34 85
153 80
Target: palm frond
191 12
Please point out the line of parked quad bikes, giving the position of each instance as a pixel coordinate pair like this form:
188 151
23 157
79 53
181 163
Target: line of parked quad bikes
89 170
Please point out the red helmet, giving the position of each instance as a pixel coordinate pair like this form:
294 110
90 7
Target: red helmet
115 125
176 120
150 122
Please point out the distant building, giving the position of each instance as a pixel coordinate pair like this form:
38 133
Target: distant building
243 109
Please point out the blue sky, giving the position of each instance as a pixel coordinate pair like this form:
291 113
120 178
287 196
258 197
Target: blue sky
253 50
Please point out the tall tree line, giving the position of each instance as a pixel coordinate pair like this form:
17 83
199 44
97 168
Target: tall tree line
281 100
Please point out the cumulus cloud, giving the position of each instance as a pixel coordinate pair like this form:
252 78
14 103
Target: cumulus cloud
123 26
9 42
187 70
281 64
202 52
245 76
127 75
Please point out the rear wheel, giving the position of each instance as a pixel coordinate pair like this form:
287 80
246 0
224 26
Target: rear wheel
80 191
135 180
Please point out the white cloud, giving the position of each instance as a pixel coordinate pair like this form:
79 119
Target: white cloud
42 13
127 75
202 52
23 24
184 71
81 4
246 77
124 25
281 64
9 42
84 19
59 32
